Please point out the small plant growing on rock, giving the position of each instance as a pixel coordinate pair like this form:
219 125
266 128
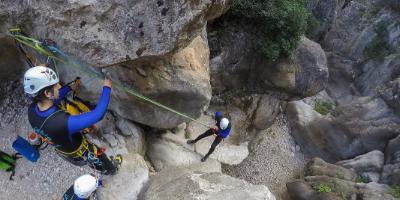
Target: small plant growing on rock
323 188
395 191
361 179
323 107
379 47
339 174
343 196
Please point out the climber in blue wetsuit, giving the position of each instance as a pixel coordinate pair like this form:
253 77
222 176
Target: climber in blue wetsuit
60 129
221 132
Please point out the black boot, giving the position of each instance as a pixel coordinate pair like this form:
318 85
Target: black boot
204 158
190 142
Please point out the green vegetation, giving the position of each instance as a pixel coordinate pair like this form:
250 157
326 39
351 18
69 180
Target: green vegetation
312 24
343 196
395 191
323 188
339 174
379 47
280 23
361 179
323 107
230 95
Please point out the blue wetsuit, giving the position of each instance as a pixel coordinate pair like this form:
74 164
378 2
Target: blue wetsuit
221 134
63 131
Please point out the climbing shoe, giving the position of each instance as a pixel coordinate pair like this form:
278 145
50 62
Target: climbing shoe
204 158
190 142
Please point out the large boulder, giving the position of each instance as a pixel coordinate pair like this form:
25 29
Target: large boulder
181 183
368 165
321 188
391 174
305 74
130 180
182 83
318 167
371 121
110 32
324 181
346 134
143 45
372 191
248 112
135 135
170 150
338 190
268 107
236 63
316 135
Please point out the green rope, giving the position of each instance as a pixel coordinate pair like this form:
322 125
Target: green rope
37 45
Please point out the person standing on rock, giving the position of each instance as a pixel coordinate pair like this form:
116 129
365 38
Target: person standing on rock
61 130
221 132
83 188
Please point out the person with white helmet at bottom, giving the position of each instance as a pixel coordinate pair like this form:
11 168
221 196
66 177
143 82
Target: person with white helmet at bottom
83 189
222 131
58 128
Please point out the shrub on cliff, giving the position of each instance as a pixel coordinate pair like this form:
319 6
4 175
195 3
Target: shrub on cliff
279 23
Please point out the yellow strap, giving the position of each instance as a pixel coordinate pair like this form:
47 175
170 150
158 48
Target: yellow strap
84 146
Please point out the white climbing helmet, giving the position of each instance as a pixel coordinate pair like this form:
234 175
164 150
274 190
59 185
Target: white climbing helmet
85 185
224 123
37 78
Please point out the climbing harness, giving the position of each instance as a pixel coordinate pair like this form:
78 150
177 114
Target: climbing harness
52 52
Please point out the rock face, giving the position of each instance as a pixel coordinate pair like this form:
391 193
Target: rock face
185 184
128 182
361 43
391 174
369 165
304 75
152 47
326 181
348 133
181 83
135 135
315 134
390 94
392 152
168 149
105 33
318 167
235 63
10 69
325 12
